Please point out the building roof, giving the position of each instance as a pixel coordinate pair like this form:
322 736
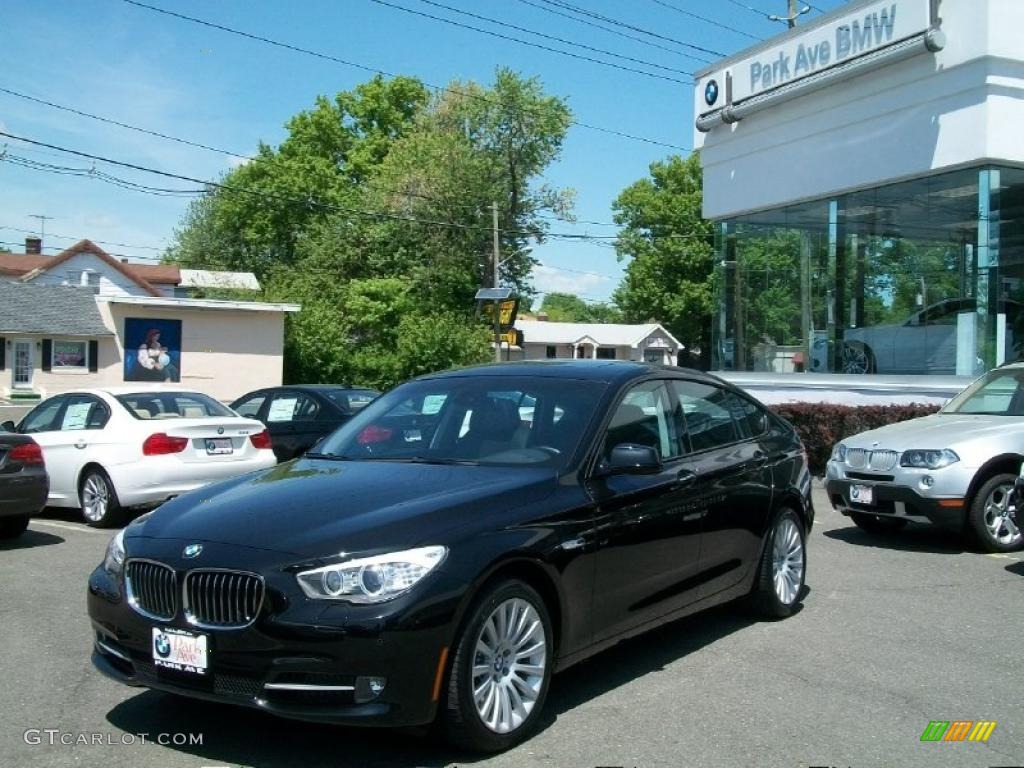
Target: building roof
603 334
177 303
87 246
204 278
53 310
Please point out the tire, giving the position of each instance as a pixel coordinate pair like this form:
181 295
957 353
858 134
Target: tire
877 523
463 719
779 584
989 519
98 499
856 358
13 527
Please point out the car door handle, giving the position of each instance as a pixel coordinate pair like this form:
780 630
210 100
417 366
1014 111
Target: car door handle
684 479
80 444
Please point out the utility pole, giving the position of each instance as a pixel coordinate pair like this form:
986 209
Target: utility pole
497 263
793 13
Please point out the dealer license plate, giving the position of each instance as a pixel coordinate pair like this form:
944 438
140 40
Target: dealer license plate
862 494
216 446
181 651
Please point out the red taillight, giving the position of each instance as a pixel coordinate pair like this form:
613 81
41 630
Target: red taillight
261 440
160 444
27 453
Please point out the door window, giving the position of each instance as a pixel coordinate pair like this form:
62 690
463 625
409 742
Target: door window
292 406
250 406
83 412
707 411
43 417
644 417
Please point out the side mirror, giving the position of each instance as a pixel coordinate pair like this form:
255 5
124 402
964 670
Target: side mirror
8 426
632 459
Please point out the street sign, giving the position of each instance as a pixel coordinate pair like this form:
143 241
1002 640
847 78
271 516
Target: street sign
508 310
513 337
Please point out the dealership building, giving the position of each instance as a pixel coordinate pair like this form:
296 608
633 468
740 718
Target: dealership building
865 173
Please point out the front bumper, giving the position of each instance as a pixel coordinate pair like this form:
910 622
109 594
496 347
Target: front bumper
301 659
898 501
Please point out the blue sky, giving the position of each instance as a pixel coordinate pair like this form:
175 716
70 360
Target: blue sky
138 67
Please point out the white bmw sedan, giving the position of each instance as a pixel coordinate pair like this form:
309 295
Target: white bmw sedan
114 448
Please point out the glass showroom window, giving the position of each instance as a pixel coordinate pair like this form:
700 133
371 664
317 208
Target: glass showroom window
70 355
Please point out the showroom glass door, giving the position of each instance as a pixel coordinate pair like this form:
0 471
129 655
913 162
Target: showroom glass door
21 372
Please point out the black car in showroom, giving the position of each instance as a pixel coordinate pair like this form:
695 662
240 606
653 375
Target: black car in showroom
298 415
24 483
456 542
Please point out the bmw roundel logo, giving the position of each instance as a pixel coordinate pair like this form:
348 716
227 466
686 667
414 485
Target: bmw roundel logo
192 551
220 430
162 645
711 92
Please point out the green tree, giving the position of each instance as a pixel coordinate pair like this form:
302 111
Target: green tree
565 307
375 214
670 248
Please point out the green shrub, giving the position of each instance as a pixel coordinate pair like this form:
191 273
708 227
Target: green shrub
822 425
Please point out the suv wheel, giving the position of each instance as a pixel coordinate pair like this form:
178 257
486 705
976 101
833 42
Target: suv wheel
780 578
991 515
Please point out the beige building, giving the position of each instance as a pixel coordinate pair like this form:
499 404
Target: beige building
116 325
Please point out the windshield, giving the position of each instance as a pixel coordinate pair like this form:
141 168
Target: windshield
998 393
173 405
471 420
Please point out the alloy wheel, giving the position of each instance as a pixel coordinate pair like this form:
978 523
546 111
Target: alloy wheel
787 561
1000 514
509 665
855 359
95 498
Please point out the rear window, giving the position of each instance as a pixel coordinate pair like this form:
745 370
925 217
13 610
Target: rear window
173 405
352 401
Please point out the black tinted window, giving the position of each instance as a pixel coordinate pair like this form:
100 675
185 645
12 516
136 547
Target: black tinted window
644 417
708 414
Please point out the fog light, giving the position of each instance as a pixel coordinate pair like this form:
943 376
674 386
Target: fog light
927 481
368 688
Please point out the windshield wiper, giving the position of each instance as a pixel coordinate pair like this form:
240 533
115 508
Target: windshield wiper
328 456
421 460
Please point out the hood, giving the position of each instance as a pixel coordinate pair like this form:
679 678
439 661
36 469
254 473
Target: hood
937 431
316 507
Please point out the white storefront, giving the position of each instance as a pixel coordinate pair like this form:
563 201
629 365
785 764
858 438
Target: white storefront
866 173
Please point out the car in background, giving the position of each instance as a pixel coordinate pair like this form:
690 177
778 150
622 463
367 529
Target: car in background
439 556
111 449
924 343
297 416
955 468
24 483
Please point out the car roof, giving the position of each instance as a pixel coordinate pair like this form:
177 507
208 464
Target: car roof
607 371
144 388
323 388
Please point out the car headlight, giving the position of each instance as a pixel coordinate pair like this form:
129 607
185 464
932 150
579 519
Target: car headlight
839 453
114 560
924 458
371 579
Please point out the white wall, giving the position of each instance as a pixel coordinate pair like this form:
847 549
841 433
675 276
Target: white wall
112 282
961 106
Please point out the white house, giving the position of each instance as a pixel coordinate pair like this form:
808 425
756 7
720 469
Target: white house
649 342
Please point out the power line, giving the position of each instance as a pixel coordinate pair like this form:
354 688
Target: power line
759 12
385 73
76 239
540 46
626 25
612 30
705 19
555 38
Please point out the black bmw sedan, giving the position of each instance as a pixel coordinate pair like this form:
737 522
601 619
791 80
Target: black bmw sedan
458 541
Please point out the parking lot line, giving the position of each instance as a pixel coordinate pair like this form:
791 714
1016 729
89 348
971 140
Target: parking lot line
68 526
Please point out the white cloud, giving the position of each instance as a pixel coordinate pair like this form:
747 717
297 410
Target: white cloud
552 280
235 162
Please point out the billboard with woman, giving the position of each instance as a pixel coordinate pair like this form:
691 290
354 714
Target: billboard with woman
152 349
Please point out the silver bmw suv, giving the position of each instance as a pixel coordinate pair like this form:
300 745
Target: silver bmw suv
955 468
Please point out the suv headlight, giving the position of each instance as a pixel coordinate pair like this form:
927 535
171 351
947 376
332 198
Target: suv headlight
925 458
114 560
371 579
839 453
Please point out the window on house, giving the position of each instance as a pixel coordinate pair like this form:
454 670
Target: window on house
69 355
606 353
552 351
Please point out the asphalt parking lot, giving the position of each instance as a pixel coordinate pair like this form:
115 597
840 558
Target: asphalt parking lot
894 633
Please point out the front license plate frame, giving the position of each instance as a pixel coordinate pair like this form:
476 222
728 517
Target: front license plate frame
862 494
179 650
219 446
